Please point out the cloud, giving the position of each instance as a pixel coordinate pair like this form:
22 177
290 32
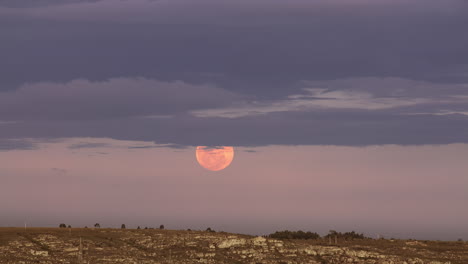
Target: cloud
114 98
236 76
16 144
59 171
227 12
92 143
89 145
259 48
173 146
394 94
40 3
350 128
354 112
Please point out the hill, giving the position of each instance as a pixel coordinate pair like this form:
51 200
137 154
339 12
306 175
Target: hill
145 246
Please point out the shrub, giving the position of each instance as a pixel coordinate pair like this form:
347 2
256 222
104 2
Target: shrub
294 235
345 236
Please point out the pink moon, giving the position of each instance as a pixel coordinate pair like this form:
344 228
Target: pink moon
214 158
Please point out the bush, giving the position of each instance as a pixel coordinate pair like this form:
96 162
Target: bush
123 226
345 236
294 235
97 225
62 225
161 227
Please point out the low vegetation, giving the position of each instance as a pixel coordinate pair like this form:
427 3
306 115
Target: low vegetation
155 245
294 235
314 236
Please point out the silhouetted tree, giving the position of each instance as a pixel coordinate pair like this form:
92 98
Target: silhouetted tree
210 230
161 227
138 227
69 226
62 225
123 226
97 225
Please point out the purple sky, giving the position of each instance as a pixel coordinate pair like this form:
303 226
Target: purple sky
345 114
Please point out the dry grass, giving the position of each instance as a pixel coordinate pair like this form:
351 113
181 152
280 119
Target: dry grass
456 252
129 242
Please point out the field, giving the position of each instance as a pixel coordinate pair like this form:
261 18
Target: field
62 245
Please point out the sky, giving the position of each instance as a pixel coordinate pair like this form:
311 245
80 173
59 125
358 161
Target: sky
344 114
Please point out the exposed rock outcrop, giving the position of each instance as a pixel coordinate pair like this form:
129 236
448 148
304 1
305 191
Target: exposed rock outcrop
51 246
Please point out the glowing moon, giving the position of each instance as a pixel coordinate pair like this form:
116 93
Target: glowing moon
214 158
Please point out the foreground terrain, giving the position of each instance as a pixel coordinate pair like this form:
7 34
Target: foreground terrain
54 245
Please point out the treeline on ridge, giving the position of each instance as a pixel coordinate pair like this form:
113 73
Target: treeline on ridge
312 235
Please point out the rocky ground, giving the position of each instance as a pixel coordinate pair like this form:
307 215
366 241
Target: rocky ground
53 245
